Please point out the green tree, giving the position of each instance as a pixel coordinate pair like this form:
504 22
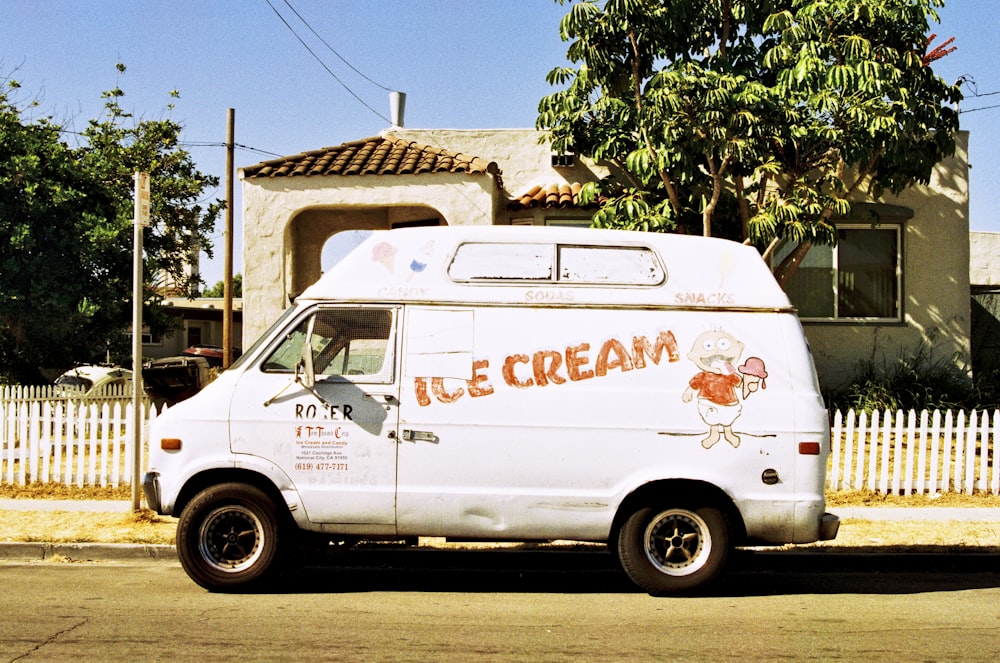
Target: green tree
751 119
118 145
58 251
218 290
66 232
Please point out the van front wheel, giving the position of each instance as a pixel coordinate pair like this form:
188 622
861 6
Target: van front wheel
227 536
669 550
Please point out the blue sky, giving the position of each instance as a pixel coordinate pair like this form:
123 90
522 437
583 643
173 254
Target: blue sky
462 64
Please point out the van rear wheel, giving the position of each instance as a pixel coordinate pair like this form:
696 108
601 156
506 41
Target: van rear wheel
674 549
227 536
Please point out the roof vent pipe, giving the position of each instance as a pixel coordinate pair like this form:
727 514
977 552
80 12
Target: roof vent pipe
397 105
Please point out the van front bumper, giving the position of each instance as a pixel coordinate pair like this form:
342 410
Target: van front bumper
151 489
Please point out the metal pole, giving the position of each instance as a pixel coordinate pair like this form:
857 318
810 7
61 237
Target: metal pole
140 219
227 277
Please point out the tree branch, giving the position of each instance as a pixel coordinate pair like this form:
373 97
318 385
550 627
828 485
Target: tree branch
744 207
675 201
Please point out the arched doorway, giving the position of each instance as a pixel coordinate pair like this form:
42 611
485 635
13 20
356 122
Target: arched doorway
311 231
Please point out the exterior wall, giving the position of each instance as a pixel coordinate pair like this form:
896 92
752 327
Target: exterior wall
286 221
935 293
523 161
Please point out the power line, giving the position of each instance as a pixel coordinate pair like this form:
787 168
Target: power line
973 110
246 148
971 84
333 50
323 64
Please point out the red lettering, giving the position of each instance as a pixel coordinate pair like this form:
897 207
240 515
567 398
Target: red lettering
641 348
604 360
575 359
476 386
544 375
420 388
508 372
546 366
437 388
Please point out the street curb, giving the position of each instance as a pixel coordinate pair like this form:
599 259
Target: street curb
82 552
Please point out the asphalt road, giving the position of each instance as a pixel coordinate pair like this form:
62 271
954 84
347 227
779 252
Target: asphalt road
509 606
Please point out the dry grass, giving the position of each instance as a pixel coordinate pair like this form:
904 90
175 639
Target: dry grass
143 526
868 498
76 527
149 528
59 491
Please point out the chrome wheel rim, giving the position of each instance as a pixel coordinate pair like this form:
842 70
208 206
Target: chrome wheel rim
677 542
231 538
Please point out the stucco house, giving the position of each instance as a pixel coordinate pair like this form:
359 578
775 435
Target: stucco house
896 286
197 322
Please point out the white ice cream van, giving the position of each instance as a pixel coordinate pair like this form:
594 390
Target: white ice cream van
651 391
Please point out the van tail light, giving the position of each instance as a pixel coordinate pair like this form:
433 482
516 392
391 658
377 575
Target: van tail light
809 448
170 443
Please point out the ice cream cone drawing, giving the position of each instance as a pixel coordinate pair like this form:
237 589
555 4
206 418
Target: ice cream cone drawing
754 375
385 254
420 261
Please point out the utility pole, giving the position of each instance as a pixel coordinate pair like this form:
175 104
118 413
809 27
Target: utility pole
140 213
227 277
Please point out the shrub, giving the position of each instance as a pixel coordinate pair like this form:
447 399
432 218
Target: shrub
916 383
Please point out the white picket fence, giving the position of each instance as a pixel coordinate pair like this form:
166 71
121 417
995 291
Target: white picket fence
50 438
63 440
906 453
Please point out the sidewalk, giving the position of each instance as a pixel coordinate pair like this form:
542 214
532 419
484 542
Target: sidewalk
87 506
34 551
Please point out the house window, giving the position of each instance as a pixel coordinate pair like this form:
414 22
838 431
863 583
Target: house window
858 279
569 222
563 160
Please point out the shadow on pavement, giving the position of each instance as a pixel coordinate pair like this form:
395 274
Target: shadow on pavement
750 573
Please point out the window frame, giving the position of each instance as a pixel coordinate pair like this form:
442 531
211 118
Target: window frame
387 374
550 265
893 226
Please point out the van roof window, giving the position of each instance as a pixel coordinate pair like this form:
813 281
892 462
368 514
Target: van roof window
556 263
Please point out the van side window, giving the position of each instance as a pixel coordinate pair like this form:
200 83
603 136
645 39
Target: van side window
556 263
351 342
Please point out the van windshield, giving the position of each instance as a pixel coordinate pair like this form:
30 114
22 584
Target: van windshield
74 381
249 352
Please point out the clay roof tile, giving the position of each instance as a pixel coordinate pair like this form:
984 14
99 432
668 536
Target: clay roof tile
548 196
379 155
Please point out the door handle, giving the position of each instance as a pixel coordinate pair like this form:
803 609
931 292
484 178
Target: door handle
419 436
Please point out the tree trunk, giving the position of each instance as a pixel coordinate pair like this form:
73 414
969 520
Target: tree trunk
784 271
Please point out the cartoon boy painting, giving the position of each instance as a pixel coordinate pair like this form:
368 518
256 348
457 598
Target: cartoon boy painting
716 353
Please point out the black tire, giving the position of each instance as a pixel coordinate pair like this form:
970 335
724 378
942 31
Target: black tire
227 537
665 550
